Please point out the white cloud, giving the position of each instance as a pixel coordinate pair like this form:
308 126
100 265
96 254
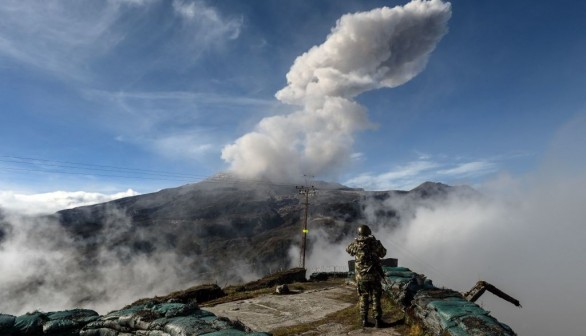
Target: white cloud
384 47
525 236
133 2
401 177
47 203
188 146
215 26
37 250
509 239
135 98
177 124
410 175
58 37
470 169
67 38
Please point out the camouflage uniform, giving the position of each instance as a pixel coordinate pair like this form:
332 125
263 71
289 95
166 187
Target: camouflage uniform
367 251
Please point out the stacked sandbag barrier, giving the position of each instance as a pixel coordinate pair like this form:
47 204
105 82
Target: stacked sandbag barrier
324 276
442 312
63 323
162 319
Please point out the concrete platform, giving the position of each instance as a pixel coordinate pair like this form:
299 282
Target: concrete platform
268 312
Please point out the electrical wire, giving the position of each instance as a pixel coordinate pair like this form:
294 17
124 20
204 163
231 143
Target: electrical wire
88 166
16 163
38 165
86 174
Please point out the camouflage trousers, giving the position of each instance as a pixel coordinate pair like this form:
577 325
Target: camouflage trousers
370 291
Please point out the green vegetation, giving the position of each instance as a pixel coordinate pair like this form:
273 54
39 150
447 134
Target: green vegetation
200 293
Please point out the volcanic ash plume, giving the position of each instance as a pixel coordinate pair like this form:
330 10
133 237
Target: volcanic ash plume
385 47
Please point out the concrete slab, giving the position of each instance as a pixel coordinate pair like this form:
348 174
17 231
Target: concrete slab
268 312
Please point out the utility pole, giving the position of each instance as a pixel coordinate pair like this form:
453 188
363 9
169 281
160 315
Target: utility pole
306 191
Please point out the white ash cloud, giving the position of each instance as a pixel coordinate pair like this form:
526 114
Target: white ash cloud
385 47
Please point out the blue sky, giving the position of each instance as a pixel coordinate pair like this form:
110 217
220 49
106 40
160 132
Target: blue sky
146 94
109 98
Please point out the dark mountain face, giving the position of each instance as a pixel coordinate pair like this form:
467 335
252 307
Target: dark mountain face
218 225
219 231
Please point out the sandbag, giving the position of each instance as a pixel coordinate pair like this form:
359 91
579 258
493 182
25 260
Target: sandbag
30 323
187 326
6 323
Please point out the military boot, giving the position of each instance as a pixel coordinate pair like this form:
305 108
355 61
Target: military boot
378 323
364 320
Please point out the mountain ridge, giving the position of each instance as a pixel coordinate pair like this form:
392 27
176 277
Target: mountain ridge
259 218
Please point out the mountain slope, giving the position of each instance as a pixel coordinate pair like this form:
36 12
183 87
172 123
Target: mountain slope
232 223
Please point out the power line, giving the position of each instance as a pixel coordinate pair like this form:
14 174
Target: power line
91 169
87 174
87 166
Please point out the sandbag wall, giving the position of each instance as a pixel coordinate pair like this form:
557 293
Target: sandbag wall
442 312
163 319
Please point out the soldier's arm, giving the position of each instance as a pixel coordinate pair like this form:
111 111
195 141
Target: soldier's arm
351 249
381 250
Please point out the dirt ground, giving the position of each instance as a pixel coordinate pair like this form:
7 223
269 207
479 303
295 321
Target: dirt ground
269 312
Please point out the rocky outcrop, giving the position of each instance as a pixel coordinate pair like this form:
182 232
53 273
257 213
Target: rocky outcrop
279 278
201 293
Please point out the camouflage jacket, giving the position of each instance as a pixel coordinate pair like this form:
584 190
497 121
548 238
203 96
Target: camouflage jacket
367 252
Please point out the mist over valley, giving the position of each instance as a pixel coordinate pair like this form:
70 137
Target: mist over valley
224 231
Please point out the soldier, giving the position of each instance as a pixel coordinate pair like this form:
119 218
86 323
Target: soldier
368 251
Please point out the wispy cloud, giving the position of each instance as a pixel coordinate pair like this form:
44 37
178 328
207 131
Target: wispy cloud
189 146
47 203
427 167
126 97
58 37
178 124
469 169
399 177
66 39
200 15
